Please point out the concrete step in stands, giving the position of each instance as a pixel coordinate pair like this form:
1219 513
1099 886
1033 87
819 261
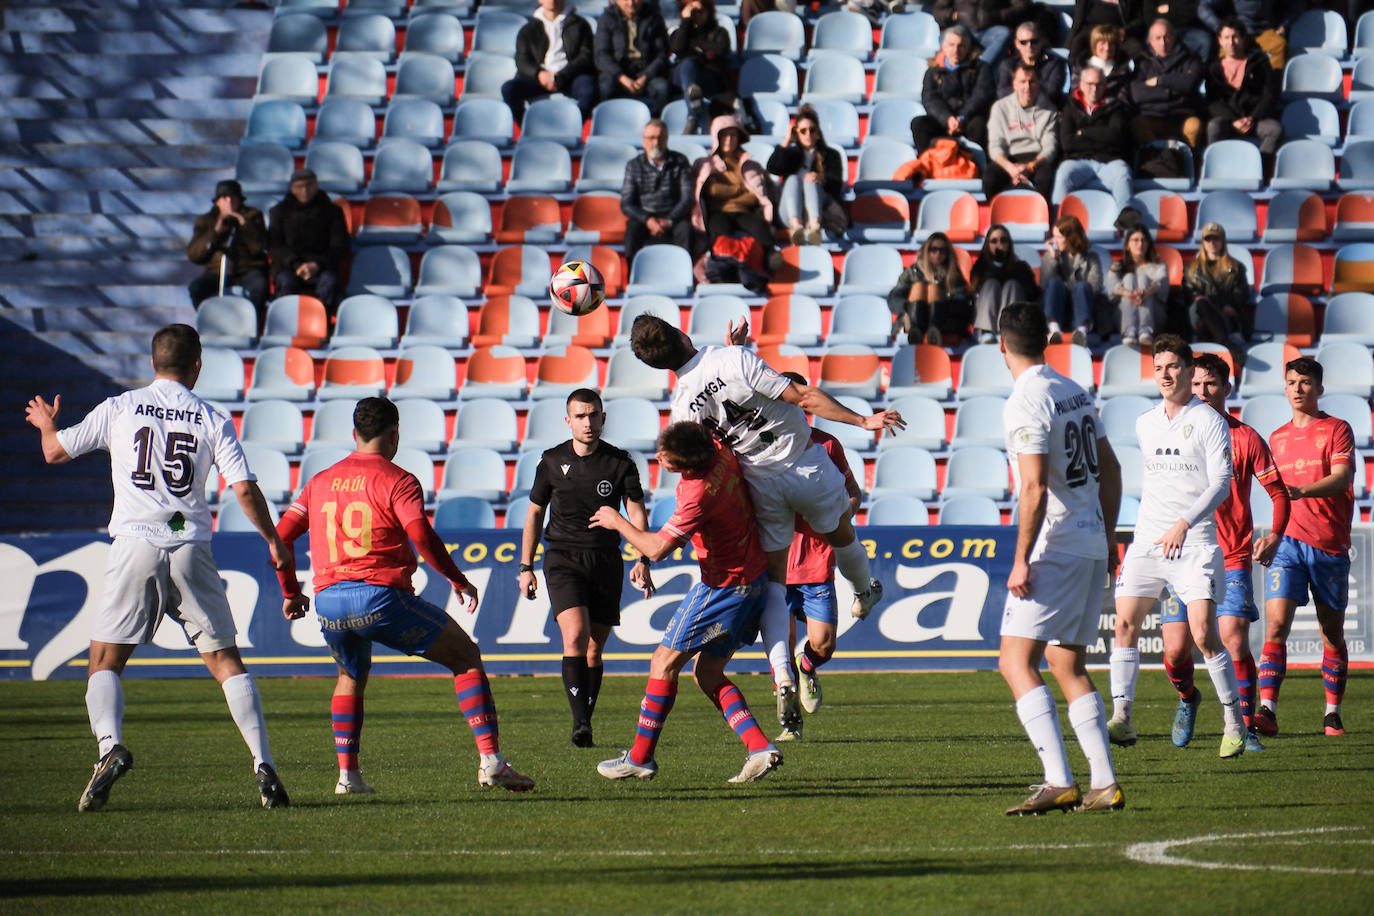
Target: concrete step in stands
68 156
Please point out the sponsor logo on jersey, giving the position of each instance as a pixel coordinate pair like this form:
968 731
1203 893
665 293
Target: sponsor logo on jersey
564 468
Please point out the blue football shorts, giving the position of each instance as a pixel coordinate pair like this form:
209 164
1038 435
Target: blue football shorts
1238 602
717 620
1298 567
354 615
814 602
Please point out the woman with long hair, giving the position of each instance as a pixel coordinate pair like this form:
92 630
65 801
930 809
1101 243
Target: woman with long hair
997 279
812 176
1218 292
931 296
1070 280
1139 285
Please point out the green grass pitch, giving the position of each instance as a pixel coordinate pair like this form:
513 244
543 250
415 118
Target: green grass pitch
893 802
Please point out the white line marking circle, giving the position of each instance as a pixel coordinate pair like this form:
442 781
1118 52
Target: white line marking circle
1158 853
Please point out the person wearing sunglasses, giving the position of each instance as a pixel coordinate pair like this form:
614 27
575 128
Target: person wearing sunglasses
1029 50
812 176
931 296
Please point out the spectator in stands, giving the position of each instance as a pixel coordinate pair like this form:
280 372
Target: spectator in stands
812 176
751 8
957 92
1127 15
1138 285
702 49
1264 20
931 296
1182 15
656 197
1051 68
231 237
632 53
1070 280
1164 89
1093 142
985 22
1023 139
997 279
1218 292
553 53
307 239
1242 90
1104 52
732 193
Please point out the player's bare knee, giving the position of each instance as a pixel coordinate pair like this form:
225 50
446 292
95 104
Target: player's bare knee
224 663
824 645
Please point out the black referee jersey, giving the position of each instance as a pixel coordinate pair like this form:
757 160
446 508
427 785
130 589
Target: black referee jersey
573 487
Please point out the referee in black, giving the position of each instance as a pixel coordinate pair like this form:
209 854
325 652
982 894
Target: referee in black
582 565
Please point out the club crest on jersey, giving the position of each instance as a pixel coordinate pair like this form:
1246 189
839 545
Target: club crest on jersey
603 488
565 469
1187 430
1321 440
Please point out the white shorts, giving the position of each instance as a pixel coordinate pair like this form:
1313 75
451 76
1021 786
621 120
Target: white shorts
1198 573
1065 602
812 488
144 582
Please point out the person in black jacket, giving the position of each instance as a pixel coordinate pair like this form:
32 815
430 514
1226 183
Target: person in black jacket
702 49
1093 142
812 176
988 22
632 53
656 196
1029 49
1242 90
553 53
1164 89
236 232
307 240
997 279
957 92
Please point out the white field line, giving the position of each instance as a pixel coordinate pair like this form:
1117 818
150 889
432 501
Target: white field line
1158 853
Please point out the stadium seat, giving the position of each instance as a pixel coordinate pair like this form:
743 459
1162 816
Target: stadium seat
870 269
1348 368
1164 213
913 34
545 426
953 212
383 270
971 510
290 77
486 423
978 421
1133 472
592 330
423 425
596 218
521 270
221 375
516 509
891 117
1119 415
1072 361
300 34
925 424
1288 317
1318 31
319 458
806 269
833 75
436 320
1357 166
460 513
790 319
470 165
842 32
774 32
1349 316
1354 217
880 216
603 164
449 270
904 471
1354 410
606 260
1096 210
983 371
512 320
389 9
662 269
332 426
1311 119
390 220
495 32
287 373
365 321
852 369
786 358
357 76
1264 368
1025 214
473 471
272 470
897 510
494 372
920 369
227 321
541 166
839 122
861 318
417 119
264 168
1363 41
1143 181
1313 76
295 321
338 166
342 120
485 74
627 377
369 36
483 119
276 121
1353 268
619 119
1295 216
530 219
769 76
852 437
978 470
1125 370
635 306
403 166
351 373
1293 268
1231 165
879 159
1266 413
425 371
1305 164
1233 209
460 217
980 158
231 518
1361 82
709 318
662 511
633 424
556 119
435 33
898 77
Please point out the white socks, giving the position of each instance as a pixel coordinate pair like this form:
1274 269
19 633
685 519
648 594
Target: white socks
852 562
776 628
1041 721
105 709
1223 674
244 705
1125 669
1089 721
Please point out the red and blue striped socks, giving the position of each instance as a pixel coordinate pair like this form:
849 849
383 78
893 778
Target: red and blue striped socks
474 699
1273 665
1335 663
659 695
347 713
730 702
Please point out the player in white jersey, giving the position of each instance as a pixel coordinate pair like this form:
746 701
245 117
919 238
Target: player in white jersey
1187 476
761 416
163 443
1068 485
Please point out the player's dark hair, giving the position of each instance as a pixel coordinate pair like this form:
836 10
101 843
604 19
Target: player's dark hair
1024 329
176 349
374 416
688 445
1306 366
795 377
657 343
585 396
1214 366
1172 343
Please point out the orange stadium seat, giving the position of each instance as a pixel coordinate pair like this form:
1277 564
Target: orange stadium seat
1288 317
881 216
947 210
590 330
790 319
295 321
1165 213
1353 269
287 373
1172 259
561 370
786 358
1293 268
597 218
607 261
1295 216
522 269
922 369
1025 214
851 369
390 220
533 220
1354 216
509 320
353 372
495 372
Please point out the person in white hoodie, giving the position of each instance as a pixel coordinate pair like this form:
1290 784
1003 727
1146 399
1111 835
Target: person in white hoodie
1023 139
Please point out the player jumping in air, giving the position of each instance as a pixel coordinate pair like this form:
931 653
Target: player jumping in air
1315 454
1068 487
363 514
720 613
1187 476
163 442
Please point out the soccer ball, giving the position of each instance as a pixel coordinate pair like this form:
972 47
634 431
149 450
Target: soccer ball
577 288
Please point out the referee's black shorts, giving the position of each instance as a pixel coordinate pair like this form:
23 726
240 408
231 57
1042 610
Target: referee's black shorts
585 578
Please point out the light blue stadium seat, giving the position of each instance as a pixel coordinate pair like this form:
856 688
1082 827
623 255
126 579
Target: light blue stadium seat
708 318
925 424
1101 210
483 119
1315 75
842 32
485 74
495 32
277 121
345 120
369 35
899 77
662 269
978 422
272 470
337 166
1233 209
1122 375
1284 221
870 269
474 471
426 371
319 458
620 119
556 118
332 427
419 464
860 318
357 76
324 9
422 425
1318 30
264 168
1361 82
540 165
521 321
435 33
972 510
1263 373
1363 43
839 122
905 380
853 437
383 270
450 270
978 470
774 124
674 115
1142 181
627 377
402 166
283 319
545 425
897 511
418 120
633 424
937 213
487 423
298 33
904 471
769 75
1306 164
1348 368
603 164
1311 119
1360 123
231 518
879 158
366 321
1354 410
799 316
1357 166
516 510
534 271
983 371
388 9
227 321
460 513
1266 413
833 75
649 303
845 370
775 32
470 165
911 34
290 77
467 220
1231 164
367 380
1282 268
221 375
1349 316
815 271
1119 415
662 511
270 378
424 76
437 320
891 117
1132 472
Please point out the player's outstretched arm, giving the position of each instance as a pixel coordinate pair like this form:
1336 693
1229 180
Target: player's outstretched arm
1333 484
640 576
648 543
293 524
1109 496
43 417
815 401
432 551
529 544
254 505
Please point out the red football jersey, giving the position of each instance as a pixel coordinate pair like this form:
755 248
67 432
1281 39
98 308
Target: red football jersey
714 511
358 510
811 559
1305 454
1235 526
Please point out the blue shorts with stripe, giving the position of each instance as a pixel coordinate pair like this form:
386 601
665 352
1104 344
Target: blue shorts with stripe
1298 567
1238 602
717 620
354 615
814 602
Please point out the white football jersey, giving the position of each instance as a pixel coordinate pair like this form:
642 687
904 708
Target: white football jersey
736 395
163 441
1183 456
1048 414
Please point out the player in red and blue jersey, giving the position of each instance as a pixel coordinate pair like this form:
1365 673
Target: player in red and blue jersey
362 515
1315 454
719 614
1236 534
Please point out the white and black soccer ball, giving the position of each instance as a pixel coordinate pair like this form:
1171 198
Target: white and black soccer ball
577 288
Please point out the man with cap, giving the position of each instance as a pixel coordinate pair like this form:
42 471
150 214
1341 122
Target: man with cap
308 241
230 241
